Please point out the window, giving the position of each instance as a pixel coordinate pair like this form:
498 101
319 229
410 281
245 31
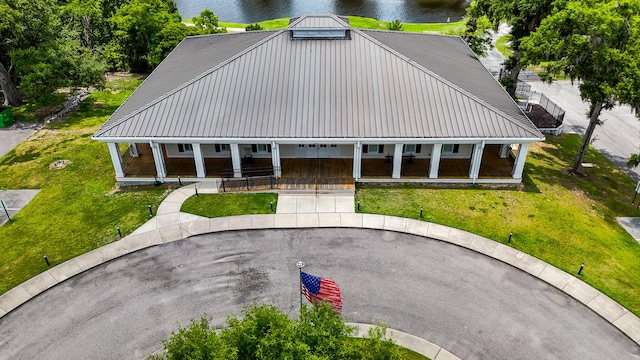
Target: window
409 148
185 148
450 148
222 147
372 149
261 148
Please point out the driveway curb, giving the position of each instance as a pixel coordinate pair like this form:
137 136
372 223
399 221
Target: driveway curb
601 304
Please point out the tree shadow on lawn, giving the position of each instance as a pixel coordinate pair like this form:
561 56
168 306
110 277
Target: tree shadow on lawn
89 108
604 183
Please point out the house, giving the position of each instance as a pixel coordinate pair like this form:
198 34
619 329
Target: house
320 100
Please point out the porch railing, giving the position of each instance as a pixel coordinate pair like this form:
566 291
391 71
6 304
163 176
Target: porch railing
252 178
552 108
249 183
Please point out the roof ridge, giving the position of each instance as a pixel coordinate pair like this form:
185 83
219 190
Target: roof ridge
440 78
186 84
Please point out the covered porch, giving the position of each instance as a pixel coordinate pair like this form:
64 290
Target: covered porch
492 166
486 163
143 165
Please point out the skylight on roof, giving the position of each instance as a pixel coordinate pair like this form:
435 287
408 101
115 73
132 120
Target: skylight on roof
325 27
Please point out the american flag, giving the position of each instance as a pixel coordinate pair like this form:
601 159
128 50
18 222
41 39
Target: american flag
317 289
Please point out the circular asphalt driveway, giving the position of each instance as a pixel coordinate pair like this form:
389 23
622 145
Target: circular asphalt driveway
474 306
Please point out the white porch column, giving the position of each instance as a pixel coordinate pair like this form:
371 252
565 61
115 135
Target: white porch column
116 159
357 160
434 163
201 170
518 167
397 161
158 159
133 150
476 159
504 151
235 160
275 159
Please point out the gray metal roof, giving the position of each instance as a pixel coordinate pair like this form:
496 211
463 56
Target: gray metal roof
319 21
264 85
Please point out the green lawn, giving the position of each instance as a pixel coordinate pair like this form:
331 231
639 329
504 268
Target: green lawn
503 45
38 111
217 205
559 218
78 207
454 28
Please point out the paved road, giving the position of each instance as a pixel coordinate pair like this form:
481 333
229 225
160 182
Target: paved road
476 307
617 138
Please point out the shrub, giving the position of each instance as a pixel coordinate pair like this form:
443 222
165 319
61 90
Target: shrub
395 25
254 27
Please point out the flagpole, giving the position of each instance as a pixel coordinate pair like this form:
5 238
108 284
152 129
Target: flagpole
300 265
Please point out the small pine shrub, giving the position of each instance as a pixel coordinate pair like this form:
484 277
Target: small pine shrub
254 27
395 25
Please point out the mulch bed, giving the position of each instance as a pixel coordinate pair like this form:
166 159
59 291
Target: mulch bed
541 118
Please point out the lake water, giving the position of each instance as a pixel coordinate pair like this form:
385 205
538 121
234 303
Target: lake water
251 11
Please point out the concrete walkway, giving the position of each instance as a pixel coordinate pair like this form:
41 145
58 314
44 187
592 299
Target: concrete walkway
13 201
311 204
15 134
299 211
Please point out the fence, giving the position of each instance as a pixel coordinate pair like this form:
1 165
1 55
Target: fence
249 183
523 89
556 111
252 178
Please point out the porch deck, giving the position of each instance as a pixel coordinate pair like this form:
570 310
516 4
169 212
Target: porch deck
319 174
491 167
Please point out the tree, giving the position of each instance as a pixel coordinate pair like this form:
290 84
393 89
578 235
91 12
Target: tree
137 28
167 39
10 91
264 332
85 18
477 34
207 23
145 31
7 84
24 24
42 52
591 41
524 17
630 82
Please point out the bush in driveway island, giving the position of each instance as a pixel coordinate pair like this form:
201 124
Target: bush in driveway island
265 332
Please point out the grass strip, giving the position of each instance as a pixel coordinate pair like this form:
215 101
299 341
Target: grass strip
405 354
452 28
217 205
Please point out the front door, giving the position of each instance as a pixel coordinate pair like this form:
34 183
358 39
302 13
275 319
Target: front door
328 151
318 151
